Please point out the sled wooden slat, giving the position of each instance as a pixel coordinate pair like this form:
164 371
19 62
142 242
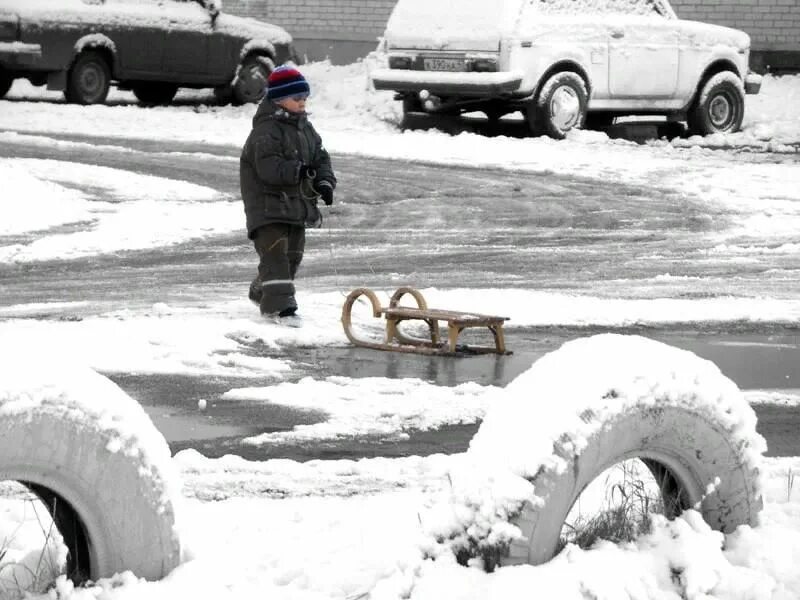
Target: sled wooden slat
398 341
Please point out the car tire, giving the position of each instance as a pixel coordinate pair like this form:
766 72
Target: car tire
6 80
251 79
685 450
107 499
154 93
719 107
559 107
88 79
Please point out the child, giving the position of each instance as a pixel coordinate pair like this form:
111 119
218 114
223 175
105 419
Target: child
283 171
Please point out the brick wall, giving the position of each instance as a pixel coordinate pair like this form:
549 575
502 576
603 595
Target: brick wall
338 29
772 24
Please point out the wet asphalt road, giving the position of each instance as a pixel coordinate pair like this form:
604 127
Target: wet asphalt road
418 221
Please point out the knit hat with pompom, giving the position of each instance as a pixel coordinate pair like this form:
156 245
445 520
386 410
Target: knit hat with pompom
285 82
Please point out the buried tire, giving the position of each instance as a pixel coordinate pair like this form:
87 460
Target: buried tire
97 469
685 451
594 403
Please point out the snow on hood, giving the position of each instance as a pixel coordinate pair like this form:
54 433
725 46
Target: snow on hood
252 28
707 34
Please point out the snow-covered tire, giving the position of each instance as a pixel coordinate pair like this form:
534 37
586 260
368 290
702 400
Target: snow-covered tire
633 398
93 456
719 107
685 451
251 79
560 107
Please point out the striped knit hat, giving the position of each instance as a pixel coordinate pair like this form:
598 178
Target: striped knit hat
284 82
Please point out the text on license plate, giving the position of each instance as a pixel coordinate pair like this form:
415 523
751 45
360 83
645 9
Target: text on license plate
444 64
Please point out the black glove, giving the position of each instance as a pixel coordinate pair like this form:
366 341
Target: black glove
325 190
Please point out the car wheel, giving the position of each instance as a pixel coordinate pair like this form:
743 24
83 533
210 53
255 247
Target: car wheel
560 107
154 93
719 107
251 80
88 79
6 80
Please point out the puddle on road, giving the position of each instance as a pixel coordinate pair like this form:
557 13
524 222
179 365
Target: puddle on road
753 361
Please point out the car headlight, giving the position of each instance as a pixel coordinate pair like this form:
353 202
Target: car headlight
9 27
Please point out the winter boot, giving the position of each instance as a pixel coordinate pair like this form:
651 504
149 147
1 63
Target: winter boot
277 297
254 293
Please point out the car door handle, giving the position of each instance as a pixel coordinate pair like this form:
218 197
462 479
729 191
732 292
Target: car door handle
617 34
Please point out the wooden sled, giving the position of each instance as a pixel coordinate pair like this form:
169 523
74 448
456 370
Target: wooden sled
397 341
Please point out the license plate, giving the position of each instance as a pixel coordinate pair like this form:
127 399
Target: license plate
444 64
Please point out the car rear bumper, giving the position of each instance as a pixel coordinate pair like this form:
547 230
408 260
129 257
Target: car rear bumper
17 55
752 83
444 82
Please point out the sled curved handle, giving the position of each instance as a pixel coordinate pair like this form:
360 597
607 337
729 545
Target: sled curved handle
398 295
347 309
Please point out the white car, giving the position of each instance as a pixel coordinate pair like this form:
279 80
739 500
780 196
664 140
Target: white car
566 64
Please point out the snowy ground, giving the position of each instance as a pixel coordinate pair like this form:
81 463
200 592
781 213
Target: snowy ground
344 529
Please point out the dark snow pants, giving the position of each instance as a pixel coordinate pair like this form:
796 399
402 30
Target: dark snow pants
280 250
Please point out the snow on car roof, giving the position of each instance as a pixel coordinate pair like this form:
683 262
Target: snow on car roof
477 19
444 18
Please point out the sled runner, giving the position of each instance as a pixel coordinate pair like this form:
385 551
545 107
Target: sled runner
398 341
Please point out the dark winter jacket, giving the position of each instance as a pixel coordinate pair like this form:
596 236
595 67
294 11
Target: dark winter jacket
279 144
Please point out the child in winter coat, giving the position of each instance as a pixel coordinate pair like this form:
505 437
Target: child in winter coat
283 171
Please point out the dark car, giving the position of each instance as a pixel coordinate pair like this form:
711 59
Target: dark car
151 47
